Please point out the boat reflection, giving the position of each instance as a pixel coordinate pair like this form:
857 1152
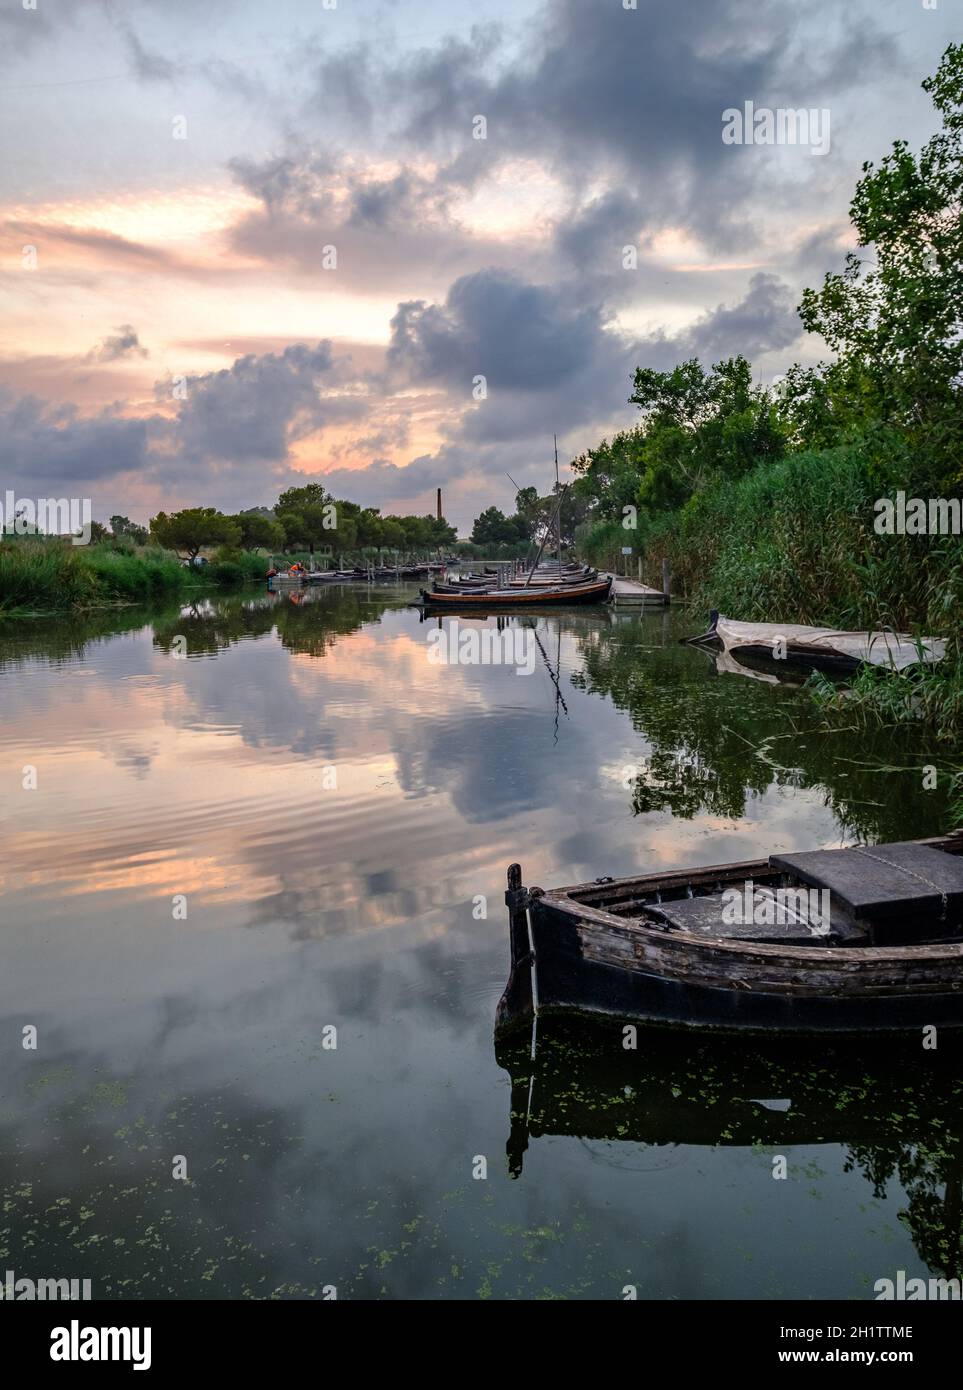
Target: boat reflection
896 1112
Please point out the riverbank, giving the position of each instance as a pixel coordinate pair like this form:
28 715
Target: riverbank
795 541
50 577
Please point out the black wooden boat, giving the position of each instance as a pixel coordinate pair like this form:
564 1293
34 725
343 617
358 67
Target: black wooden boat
738 946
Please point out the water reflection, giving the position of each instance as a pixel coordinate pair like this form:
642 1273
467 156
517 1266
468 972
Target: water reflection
887 1114
201 768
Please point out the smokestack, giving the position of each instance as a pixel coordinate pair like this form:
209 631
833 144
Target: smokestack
439 504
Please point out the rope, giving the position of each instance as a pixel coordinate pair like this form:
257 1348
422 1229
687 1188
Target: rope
901 869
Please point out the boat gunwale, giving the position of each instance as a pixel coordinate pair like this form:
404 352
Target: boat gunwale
636 928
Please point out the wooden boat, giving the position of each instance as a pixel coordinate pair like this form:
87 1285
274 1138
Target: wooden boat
488 598
883 952
579 576
817 648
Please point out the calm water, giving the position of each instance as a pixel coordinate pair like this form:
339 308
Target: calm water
354 905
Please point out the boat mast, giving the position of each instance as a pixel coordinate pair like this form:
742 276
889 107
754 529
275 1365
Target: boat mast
558 528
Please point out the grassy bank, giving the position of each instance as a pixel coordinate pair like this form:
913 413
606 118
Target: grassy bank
794 541
47 576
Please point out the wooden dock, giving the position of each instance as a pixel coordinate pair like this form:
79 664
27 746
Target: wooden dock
629 592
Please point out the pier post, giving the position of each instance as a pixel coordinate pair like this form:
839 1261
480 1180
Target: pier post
516 1006
666 576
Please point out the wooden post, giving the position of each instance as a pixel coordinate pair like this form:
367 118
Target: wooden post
516 1006
666 576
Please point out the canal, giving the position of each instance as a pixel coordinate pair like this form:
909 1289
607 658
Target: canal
254 934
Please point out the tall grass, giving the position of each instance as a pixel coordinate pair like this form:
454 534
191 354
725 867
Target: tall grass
51 576
132 578
38 577
794 541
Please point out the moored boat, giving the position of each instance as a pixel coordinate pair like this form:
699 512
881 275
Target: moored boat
489 598
818 648
739 946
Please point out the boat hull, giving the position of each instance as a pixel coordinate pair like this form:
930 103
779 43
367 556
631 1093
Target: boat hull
606 949
571 981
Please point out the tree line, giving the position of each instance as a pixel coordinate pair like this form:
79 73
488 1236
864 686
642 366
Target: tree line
303 519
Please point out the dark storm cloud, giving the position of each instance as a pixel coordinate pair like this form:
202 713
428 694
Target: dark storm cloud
517 335
765 320
256 407
551 364
633 96
46 445
627 103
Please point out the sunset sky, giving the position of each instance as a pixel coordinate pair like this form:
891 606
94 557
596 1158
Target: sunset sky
161 259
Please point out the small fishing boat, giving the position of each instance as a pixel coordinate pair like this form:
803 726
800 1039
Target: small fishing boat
447 597
864 939
817 648
581 575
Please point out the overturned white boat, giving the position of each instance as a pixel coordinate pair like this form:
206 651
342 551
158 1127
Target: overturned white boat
820 648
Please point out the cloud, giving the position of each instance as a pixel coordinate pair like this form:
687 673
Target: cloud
762 322
148 65
123 343
254 409
520 336
235 427
115 251
53 447
631 99
553 365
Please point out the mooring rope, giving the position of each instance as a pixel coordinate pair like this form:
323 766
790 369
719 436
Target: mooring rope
902 869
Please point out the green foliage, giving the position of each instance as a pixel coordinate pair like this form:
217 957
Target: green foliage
895 318
123 529
193 529
493 527
259 531
230 567
38 576
764 499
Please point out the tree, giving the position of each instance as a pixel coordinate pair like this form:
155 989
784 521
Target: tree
701 425
125 529
259 531
896 322
194 528
493 527
309 517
